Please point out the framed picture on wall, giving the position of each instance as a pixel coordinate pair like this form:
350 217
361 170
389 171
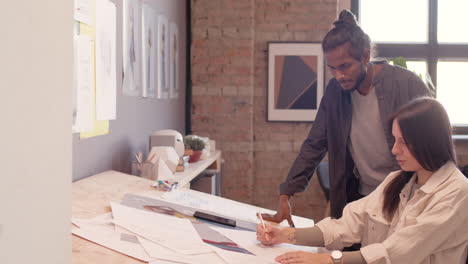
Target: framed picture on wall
149 50
295 81
163 58
174 62
131 47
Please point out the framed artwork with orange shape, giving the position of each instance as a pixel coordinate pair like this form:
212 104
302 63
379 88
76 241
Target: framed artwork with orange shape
295 81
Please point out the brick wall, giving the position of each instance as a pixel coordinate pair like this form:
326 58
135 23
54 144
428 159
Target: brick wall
277 144
229 64
222 80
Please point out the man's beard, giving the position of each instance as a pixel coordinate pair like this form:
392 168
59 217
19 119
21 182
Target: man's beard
362 77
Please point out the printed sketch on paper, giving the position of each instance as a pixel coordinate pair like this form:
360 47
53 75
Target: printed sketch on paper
149 30
174 65
132 47
163 58
106 75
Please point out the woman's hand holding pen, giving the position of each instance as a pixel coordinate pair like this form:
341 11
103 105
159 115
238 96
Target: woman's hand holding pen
271 235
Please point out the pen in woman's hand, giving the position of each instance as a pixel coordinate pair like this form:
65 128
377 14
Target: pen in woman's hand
259 215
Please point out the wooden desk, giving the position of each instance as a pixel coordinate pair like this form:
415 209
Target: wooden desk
91 197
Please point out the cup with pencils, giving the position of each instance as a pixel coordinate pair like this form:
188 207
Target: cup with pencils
145 169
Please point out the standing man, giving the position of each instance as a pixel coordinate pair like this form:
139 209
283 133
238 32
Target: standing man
352 121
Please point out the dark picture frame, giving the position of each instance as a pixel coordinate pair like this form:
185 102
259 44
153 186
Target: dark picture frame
295 81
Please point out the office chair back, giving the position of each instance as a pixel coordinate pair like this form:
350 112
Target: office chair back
324 180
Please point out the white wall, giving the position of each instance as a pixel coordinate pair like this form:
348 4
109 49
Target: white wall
137 118
36 56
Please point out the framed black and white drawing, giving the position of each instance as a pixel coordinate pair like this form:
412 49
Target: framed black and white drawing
174 61
163 58
131 37
149 51
295 81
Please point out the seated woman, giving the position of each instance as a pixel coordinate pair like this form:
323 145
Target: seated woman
417 215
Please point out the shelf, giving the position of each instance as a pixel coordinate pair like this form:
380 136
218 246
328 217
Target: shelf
194 169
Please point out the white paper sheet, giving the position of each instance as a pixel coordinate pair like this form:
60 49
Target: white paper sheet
106 95
149 50
83 11
159 252
162 229
100 220
84 84
163 57
225 207
108 237
174 61
248 240
131 37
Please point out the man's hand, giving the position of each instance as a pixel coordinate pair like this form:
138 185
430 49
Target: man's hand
284 212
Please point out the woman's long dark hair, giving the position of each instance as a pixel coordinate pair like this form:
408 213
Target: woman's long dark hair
426 129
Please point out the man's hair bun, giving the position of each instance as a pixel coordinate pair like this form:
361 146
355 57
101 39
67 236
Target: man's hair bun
346 18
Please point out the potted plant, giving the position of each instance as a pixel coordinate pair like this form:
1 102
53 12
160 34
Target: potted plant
401 61
197 145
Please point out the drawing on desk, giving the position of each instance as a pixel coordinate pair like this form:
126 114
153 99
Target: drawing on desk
166 210
224 207
217 239
207 234
129 238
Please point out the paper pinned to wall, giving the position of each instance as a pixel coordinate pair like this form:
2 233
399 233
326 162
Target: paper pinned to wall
163 57
101 127
84 70
149 50
174 61
106 95
83 11
131 37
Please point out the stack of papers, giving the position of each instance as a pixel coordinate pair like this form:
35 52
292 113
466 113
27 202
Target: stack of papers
155 237
245 215
223 207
